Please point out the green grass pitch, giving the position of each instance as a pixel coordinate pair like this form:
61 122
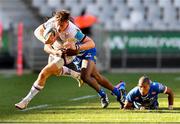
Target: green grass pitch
57 103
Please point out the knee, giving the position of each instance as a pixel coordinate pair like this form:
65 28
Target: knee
85 77
97 76
45 73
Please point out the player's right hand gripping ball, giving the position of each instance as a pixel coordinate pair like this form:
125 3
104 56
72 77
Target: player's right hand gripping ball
50 36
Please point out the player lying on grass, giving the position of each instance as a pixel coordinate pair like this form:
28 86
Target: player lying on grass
71 38
145 95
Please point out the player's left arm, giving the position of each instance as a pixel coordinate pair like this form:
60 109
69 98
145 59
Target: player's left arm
166 90
170 94
85 42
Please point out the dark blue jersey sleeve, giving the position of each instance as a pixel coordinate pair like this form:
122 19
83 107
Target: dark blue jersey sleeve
132 94
160 88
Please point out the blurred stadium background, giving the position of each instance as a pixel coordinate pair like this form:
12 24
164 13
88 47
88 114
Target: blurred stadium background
129 33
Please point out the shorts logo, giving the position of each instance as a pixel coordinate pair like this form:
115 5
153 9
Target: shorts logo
161 87
89 55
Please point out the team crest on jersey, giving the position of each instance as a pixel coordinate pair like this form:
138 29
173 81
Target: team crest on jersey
161 87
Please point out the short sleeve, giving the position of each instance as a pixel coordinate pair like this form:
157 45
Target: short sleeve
160 87
79 35
129 96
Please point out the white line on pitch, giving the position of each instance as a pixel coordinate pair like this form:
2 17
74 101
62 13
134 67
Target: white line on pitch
83 97
36 107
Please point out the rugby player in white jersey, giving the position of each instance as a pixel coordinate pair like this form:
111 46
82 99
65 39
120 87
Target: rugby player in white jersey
55 66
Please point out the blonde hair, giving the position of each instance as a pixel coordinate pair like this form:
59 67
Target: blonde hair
62 15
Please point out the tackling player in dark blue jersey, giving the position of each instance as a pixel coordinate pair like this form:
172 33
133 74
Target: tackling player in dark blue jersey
145 95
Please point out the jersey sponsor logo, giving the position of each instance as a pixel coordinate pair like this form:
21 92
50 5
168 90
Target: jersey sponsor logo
161 87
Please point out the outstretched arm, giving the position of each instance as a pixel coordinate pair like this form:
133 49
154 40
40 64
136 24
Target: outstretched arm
170 94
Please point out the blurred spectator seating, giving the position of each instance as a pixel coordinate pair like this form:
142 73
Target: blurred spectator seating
119 14
14 11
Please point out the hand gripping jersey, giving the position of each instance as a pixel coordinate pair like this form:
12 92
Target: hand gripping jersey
71 32
150 100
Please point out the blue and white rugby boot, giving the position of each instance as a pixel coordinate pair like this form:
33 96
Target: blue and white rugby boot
122 89
104 101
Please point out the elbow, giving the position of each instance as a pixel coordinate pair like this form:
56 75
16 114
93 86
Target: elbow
93 45
89 43
36 32
171 95
170 92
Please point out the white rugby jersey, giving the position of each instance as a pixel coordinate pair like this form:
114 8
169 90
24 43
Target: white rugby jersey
72 31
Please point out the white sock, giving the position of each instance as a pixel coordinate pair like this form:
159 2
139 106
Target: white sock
70 72
34 90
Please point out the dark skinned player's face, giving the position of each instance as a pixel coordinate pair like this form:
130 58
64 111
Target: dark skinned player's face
143 88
